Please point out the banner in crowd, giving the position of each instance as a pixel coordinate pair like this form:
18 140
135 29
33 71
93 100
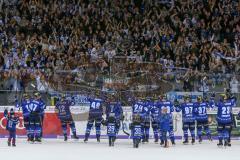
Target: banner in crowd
221 55
180 95
52 127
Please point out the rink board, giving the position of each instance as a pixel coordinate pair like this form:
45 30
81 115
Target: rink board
52 126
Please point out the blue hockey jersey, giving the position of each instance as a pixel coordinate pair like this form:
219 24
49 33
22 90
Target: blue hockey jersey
25 105
200 111
11 122
43 106
165 120
96 109
233 101
35 107
224 112
187 111
63 108
166 104
111 129
146 111
138 108
136 131
211 102
116 108
155 112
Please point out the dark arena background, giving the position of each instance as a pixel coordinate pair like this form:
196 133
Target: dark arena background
123 53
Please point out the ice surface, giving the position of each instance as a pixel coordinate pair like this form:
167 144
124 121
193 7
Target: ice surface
57 149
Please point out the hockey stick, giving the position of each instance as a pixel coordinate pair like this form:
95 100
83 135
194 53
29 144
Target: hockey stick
125 132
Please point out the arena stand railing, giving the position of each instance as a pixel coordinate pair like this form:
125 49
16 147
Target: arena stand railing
125 80
124 76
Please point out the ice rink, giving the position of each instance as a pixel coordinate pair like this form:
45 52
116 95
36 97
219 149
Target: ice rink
57 149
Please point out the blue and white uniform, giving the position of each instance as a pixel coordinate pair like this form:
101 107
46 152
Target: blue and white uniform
116 109
146 119
165 125
95 115
12 122
200 111
170 109
188 119
24 106
224 119
155 113
34 109
136 130
65 116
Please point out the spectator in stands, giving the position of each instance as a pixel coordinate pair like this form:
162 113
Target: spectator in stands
64 35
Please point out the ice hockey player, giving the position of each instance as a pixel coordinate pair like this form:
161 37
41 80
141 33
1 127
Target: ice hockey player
35 110
95 115
111 123
24 105
138 106
165 122
188 118
114 106
146 119
232 99
37 97
211 101
200 111
12 121
155 113
62 108
224 120
136 130
164 103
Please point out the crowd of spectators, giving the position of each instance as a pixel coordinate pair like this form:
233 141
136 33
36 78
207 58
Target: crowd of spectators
41 36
